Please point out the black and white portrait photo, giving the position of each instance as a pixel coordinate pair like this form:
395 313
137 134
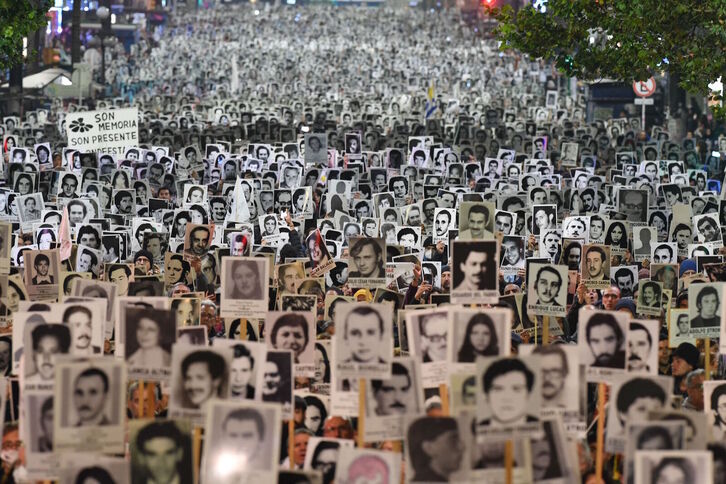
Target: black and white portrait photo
679 328
389 400
477 334
547 289
293 331
30 207
551 459
476 221
436 450
245 370
576 227
707 228
444 220
90 405
428 336
596 265
642 353
37 434
43 343
316 148
633 397
505 222
474 271
245 286
242 443
161 451
649 297
277 380
366 262
625 278
602 339
512 254
664 253
363 345
149 335
651 436
198 375
560 388
544 217
673 466
88 260
714 396
509 395
705 309
106 469
42 273
633 203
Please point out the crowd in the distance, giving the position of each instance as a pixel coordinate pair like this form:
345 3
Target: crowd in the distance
287 133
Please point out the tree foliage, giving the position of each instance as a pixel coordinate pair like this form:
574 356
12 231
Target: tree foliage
18 19
623 39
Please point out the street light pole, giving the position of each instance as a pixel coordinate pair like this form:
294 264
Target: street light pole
103 14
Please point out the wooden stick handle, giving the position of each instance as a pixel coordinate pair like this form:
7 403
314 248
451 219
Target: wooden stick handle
197 451
545 331
508 462
707 360
360 441
600 431
444 394
142 398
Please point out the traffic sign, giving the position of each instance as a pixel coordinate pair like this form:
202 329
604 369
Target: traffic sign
644 88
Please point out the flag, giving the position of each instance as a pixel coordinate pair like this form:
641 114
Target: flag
430 101
66 244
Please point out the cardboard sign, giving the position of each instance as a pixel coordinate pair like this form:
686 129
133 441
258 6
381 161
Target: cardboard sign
108 131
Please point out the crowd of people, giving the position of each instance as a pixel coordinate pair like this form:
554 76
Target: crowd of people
359 245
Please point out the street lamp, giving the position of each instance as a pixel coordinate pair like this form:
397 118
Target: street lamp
103 14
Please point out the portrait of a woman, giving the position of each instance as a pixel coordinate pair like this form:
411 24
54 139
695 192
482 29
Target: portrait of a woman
480 339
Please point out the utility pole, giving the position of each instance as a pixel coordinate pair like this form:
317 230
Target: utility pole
76 32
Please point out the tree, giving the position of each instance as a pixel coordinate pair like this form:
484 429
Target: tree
622 39
18 19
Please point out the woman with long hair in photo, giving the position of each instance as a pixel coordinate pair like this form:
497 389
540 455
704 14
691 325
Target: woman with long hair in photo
480 339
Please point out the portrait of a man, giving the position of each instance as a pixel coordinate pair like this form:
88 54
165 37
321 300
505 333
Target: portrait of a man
243 442
396 395
547 285
650 294
47 342
42 276
604 341
640 345
363 334
510 393
596 264
90 393
476 225
474 266
436 449
161 454
706 309
433 331
204 375
555 371
367 258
